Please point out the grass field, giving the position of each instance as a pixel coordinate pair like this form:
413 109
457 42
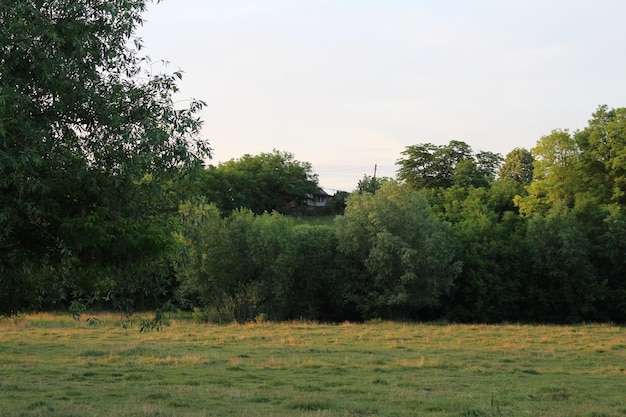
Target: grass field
51 365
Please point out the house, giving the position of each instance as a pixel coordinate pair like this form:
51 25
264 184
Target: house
318 200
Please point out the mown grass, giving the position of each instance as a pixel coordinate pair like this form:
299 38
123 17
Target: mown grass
51 365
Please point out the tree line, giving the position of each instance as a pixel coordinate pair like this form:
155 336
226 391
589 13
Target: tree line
105 202
536 236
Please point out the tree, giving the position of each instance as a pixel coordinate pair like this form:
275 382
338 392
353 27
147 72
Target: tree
588 166
425 166
369 184
556 174
489 164
267 182
401 258
428 166
518 166
82 122
603 155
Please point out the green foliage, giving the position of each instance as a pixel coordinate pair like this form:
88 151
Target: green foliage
261 183
494 255
575 201
370 184
556 179
206 242
603 155
246 264
611 262
588 165
336 204
517 166
95 158
155 323
82 121
428 166
318 283
562 284
403 258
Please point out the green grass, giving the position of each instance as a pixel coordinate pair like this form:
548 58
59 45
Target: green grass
51 365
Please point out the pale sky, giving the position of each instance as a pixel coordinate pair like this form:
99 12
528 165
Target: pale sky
347 85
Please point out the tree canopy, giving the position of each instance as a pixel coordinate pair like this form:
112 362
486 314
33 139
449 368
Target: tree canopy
518 166
83 121
371 184
405 256
269 181
428 166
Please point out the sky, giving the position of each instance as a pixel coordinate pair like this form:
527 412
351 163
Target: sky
347 85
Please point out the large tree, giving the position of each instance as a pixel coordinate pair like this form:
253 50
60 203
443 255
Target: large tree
88 133
428 166
583 168
518 166
556 174
603 155
269 181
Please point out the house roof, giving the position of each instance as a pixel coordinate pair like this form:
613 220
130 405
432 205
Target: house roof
320 191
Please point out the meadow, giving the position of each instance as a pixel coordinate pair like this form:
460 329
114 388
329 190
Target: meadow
102 365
